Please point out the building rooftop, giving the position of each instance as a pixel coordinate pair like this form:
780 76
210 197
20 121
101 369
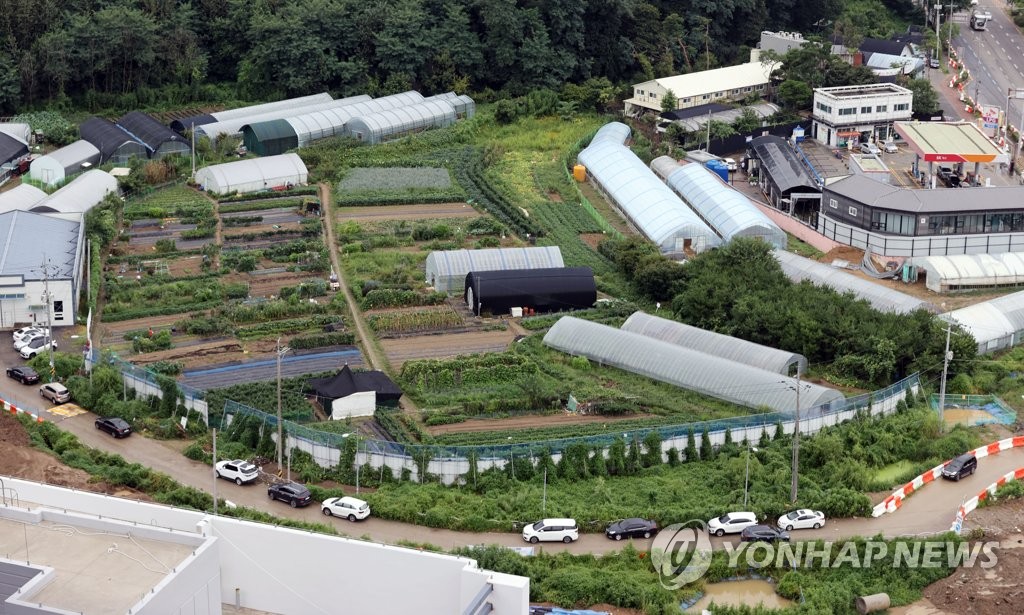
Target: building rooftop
26 238
857 91
951 142
94 571
718 79
952 200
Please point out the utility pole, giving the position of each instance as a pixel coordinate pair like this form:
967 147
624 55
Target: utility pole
281 351
942 386
46 268
938 41
193 135
214 471
796 443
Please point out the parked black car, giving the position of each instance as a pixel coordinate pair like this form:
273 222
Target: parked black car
962 466
295 494
631 528
949 177
763 533
117 427
23 374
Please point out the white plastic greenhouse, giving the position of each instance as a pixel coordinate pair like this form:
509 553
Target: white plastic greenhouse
716 344
465 107
724 208
995 324
644 199
253 175
966 271
286 105
688 369
56 166
617 132
330 122
232 127
79 195
22 197
447 269
18 130
798 268
393 123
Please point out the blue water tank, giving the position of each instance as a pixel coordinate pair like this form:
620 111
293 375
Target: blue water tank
718 168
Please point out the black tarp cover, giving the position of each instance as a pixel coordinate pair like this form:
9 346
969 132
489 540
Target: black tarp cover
183 125
11 148
543 290
347 382
148 130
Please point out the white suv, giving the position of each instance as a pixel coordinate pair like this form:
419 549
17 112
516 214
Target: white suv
870 148
36 346
552 530
732 523
237 470
346 507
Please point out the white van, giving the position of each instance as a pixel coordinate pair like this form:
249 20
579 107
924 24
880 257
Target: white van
552 530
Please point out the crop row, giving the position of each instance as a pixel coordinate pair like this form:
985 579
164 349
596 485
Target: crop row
321 340
472 370
394 179
407 322
393 297
277 327
399 198
270 194
259 206
468 168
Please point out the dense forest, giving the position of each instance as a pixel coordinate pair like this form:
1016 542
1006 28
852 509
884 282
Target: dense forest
124 54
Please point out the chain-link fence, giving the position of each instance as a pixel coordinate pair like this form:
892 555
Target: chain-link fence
147 382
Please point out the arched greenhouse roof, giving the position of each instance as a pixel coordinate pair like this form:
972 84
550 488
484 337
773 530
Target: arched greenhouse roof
80 195
446 270
616 132
724 208
945 273
286 105
253 175
150 132
716 344
330 122
648 203
112 140
798 268
183 124
995 324
688 369
20 198
233 126
377 127
54 167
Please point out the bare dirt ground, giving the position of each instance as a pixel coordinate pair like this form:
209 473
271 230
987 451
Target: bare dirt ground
528 422
267 284
407 212
116 330
400 350
593 239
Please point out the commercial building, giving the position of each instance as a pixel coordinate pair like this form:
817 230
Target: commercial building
783 178
703 87
857 113
781 42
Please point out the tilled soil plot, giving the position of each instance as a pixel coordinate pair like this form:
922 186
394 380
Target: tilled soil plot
400 350
408 212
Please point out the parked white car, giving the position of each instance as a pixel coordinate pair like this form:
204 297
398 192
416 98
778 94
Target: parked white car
20 334
346 507
731 523
730 164
36 346
870 148
802 519
891 148
20 343
551 530
238 470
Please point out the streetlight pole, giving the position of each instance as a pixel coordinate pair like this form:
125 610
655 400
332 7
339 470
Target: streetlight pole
942 386
281 351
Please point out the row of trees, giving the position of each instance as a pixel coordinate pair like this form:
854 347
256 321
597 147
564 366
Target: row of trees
131 52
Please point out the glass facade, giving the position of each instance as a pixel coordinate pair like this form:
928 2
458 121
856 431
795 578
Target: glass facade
890 222
1003 222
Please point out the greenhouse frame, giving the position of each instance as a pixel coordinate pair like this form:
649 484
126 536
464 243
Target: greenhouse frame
79 195
446 270
253 175
944 274
232 127
22 197
645 200
541 290
114 143
798 268
58 165
159 140
394 123
995 324
724 208
716 344
184 124
688 369
616 132
465 107
19 130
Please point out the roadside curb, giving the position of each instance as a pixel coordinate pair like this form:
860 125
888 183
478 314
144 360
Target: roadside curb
973 503
9 407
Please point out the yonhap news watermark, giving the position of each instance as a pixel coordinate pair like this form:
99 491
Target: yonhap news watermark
682 553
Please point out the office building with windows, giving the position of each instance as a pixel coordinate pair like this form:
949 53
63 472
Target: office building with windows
853 114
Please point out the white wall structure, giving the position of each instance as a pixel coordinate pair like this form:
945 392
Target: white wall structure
363 403
20 198
253 175
842 113
59 164
296 572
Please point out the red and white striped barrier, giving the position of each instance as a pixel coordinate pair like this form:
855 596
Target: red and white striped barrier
973 503
9 407
894 501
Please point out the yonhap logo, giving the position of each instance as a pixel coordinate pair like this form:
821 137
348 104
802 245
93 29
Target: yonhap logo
681 553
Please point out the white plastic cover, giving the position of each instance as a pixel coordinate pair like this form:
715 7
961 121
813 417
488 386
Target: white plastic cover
253 175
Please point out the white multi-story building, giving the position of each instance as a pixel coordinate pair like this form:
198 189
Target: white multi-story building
693 89
859 113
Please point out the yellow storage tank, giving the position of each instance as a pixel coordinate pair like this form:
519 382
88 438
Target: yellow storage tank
579 172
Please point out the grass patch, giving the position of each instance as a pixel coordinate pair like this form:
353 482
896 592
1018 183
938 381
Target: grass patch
798 246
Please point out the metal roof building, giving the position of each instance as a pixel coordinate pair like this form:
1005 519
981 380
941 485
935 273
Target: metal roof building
20 198
967 271
253 175
446 270
798 269
781 168
60 164
995 324
394 123
183 124
114 143
79 195
645 200
686 368
727 211
159 140
716 344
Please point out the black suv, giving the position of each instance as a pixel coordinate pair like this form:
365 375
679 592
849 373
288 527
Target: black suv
949 177
962 466
295 494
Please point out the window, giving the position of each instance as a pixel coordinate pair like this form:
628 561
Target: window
686 100
848 111
704 97
58 310
853 211
834 204
866 109
641 92
900 107
881 108
898 224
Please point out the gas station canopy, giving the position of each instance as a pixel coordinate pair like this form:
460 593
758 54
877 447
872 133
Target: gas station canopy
953 142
